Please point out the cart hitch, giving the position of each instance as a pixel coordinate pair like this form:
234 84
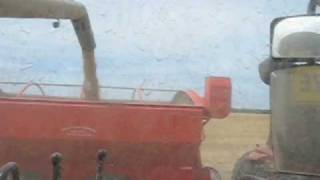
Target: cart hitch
8 169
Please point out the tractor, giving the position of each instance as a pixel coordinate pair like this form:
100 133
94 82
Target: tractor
293 73
91 136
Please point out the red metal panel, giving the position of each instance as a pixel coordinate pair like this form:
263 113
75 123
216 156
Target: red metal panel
137 136
100 122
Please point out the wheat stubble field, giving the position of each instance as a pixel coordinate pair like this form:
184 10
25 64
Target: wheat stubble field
226 140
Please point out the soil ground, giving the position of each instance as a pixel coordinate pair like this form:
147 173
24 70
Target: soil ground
226 140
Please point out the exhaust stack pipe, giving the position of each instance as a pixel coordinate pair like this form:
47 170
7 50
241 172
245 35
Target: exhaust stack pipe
62 9
312 7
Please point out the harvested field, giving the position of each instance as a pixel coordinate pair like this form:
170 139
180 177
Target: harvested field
226 140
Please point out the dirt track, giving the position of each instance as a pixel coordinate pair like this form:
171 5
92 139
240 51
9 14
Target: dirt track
226 140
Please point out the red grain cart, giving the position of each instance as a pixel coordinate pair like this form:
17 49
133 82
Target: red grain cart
98 138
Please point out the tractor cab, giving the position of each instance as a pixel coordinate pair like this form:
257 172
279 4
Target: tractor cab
72 131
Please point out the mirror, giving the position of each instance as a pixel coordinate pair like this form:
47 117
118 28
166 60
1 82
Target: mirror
296 37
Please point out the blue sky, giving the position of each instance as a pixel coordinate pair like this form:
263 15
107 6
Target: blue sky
160 43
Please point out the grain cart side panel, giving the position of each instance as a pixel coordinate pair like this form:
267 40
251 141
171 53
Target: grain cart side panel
139 137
